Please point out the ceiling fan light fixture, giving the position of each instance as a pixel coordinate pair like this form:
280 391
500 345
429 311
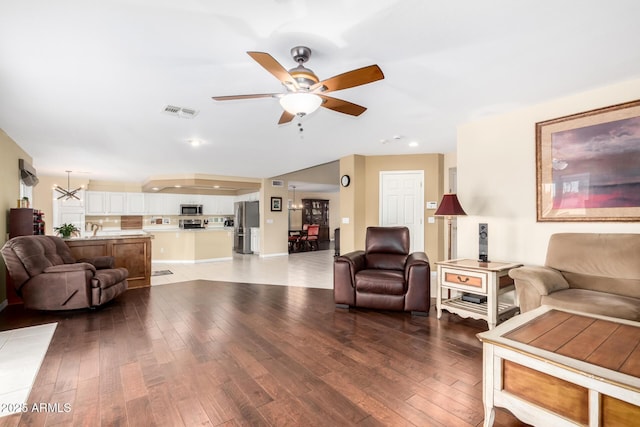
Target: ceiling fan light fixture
300 103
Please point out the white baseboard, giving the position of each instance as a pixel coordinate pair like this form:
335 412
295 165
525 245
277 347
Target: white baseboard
272 255
189 261
4 304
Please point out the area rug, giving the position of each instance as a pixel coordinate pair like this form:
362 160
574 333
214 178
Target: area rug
161 273
21 354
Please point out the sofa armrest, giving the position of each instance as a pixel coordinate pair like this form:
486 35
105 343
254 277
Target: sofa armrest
65 268
532 282
100 262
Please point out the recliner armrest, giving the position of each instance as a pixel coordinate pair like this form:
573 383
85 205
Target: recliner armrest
64 268
100 262
415 259
356 260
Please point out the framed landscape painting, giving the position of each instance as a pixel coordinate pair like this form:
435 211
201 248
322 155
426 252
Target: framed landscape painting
588 165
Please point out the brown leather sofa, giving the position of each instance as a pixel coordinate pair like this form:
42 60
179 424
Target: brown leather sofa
595 273
384 276
47 277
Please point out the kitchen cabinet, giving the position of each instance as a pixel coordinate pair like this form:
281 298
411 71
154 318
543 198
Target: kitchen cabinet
162 204
114 203
96 203
105 203
217 205
135 204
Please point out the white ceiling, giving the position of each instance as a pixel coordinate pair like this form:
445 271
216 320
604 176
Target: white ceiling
83 84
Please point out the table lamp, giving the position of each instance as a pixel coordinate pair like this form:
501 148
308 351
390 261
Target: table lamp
449 207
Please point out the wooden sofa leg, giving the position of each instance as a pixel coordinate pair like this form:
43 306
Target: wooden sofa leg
342 305
420 313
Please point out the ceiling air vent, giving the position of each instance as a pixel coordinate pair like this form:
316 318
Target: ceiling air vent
277 183
185 113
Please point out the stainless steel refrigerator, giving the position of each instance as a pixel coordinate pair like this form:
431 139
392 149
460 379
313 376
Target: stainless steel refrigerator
247 215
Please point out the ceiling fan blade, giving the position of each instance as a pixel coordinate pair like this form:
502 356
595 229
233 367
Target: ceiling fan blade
271 65
351 78
258 95
286 117
342 106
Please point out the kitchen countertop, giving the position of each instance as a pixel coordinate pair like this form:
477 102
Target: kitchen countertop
114 236
173 230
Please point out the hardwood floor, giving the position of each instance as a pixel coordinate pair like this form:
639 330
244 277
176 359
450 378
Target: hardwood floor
230 354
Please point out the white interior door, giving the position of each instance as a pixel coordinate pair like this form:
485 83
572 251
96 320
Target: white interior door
401 201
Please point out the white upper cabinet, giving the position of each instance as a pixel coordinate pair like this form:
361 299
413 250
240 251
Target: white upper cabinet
162 204
95 203
113 203
135 204
116 203
217 205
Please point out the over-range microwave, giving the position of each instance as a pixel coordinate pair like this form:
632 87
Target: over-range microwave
190 209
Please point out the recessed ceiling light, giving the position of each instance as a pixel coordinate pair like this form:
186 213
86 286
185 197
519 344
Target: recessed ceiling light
413 144
177 186
195 142
155 188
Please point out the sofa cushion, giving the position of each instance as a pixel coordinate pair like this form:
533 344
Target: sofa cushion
595 302
605 262
389 282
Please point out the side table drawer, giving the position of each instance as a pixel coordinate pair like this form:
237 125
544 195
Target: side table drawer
470 281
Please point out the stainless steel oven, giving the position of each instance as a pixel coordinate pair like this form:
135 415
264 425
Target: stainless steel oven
191 223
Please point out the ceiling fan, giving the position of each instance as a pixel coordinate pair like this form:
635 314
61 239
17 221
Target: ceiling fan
305 92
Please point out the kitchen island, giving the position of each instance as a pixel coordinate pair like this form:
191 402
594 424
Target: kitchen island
192 245
132 252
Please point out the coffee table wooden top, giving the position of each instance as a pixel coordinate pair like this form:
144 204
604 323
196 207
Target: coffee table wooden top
579 341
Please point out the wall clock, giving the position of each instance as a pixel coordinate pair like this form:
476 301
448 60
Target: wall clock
345 180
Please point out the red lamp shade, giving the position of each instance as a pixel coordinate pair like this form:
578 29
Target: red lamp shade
450 206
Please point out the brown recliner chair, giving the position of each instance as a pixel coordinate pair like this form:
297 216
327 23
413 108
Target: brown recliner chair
384 276
47 277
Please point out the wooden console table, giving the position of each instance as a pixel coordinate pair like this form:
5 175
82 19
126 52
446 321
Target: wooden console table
559 368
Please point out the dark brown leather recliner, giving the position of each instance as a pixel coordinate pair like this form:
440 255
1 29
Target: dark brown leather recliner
384 276
47 276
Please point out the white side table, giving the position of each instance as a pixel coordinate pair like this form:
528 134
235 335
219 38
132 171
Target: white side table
489 279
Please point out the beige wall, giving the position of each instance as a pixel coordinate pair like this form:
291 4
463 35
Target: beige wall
10 184
497 178
274 226
360 201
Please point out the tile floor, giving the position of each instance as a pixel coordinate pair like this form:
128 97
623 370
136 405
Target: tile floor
21 354
305 269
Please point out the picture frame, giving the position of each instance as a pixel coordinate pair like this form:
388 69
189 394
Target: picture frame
276 204
587 165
